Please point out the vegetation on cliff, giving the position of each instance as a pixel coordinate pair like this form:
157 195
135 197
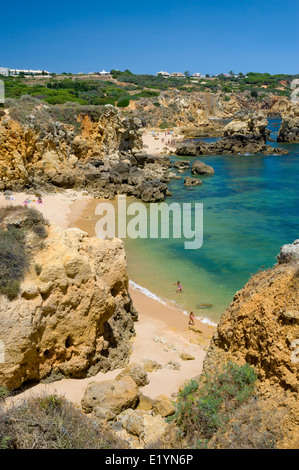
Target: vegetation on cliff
15 247
94 91
51 422
222 409
204 407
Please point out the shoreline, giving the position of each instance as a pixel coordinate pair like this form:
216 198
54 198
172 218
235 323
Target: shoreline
66 209
87 222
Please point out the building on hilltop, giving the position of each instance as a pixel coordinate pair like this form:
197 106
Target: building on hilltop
198 75
177 74
4 71
165 74
14 72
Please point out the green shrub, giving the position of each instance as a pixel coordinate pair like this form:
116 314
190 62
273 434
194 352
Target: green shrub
123 102
13 261
4 393
38 268
166 125
14 251
147 94
204 407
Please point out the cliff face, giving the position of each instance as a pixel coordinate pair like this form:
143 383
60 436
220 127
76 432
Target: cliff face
55 154
105 157
202 113
261 327
111 134
73 316
289 129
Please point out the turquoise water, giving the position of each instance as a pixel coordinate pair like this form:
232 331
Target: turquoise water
250 208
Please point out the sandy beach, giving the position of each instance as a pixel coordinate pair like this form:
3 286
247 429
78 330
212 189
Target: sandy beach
158 142
162 331
57 207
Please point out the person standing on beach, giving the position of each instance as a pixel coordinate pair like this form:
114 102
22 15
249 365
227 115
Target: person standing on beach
191 318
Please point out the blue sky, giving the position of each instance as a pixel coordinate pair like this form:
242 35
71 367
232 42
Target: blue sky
199 36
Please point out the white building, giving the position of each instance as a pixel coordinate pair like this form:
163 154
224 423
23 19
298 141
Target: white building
165 74
104 72
4 71
14 72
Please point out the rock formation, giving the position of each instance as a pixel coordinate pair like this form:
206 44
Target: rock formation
73 316
111 396
295 92
120 403
104 157
248 124
261 327
246 134
198 114
200 168
289 129
188 181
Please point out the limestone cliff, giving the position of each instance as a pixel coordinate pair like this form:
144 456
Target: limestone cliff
289 129
295 92
32 153
261 327
199 113
102 154
73 316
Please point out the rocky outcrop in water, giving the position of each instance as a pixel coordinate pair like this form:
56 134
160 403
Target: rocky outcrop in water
200 168
192 181
289 129
73 316
261 327
244 135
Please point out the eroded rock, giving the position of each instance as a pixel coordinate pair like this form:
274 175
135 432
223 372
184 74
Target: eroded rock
200 168
113 395
137 372
73 317
163 406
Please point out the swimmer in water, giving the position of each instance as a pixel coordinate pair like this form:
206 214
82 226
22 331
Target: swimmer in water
179 287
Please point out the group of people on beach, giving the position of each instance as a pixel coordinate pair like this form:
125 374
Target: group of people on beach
169 142
179 291
28 200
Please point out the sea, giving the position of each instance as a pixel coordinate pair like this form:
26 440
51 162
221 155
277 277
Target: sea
250 209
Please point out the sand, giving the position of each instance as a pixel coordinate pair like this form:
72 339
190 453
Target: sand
162 331
56 206
158 142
